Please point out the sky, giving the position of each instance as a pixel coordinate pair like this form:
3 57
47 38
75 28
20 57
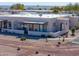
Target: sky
38 3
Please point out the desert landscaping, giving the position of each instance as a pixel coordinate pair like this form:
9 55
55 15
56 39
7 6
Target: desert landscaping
13 46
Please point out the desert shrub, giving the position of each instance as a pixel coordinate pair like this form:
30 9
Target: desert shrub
73 31
36 52
49 36
23 39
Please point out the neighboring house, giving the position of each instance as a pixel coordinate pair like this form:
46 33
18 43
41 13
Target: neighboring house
73 21
35 24
38 7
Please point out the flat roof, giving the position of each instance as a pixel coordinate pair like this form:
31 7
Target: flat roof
35 15
34 22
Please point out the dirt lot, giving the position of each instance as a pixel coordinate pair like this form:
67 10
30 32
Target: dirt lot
9 44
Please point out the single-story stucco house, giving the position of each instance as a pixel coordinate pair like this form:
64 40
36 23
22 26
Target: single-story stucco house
35 24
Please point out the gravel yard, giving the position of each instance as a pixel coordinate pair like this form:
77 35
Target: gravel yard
9 45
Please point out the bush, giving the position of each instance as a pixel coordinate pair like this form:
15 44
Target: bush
23 39
18 49
36 52
59 43
49 55
49 36
73 31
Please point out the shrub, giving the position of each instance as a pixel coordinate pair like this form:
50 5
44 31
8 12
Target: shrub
59 43
18 49
49 36
23 39
49 55
36 52
73 31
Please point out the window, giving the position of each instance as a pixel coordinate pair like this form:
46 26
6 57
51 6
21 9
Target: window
31 26
45 27
36 27
9 23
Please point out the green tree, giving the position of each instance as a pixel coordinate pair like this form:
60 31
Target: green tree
76 7
56 9
72 7
69 7
17 7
